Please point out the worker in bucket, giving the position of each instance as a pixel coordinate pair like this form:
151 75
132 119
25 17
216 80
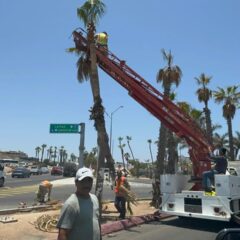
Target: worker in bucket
44 191
102 41
220 167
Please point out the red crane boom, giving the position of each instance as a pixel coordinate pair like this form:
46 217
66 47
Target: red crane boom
172 116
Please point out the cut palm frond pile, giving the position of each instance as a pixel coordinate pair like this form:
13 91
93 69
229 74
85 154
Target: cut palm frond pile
47 223
130 198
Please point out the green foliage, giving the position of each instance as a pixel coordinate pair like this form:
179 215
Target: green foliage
69 169
91 12
90 159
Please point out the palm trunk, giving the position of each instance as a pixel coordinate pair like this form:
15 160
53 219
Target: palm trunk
161 151
172 154
153 169
230 136
98 115
122 153
130 150
208 124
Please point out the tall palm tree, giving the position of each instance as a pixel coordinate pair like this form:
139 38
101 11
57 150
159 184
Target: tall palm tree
220 141
37 150
128 142
61 154
90 13
55 155
50 150
236 142
43 147
230 97
150 150
204 94
121 146
169 75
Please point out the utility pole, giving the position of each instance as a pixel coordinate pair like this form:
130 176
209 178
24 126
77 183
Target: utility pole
111 124
81 146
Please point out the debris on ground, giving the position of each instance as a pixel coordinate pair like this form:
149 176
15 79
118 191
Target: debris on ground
7 219
47 223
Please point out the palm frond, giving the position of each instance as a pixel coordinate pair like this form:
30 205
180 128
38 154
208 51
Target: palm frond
83 65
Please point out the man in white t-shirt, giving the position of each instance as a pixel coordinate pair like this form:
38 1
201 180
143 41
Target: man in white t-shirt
79 218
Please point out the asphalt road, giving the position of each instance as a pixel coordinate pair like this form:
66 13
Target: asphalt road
173 229
18 190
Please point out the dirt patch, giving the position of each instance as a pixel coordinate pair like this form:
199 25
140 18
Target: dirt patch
24 228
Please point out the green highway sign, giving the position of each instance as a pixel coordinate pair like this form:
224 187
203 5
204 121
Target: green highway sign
64 128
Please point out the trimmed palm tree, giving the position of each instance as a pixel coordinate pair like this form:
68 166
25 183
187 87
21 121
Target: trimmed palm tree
121 146
90 13
204 94
169 75
230 98
129 146
43 147
150 150
37 151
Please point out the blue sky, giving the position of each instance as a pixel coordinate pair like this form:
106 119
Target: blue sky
38 81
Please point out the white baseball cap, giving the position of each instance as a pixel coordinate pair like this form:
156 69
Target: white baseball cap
83 173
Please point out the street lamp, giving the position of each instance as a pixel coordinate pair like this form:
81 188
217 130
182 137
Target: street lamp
111 123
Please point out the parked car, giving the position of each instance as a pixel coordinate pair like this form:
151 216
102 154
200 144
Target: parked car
44 170
35 170
56 170
21 172
2 178
69 169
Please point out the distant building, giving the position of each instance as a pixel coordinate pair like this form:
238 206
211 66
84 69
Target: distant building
13 155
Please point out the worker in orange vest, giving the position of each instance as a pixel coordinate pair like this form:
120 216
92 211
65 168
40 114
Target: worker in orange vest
44 191
120 199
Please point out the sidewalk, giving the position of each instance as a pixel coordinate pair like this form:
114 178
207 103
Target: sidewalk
24 229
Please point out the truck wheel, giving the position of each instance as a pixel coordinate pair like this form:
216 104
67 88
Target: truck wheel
236 218
1 182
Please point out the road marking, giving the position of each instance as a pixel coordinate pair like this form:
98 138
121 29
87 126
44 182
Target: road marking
17 191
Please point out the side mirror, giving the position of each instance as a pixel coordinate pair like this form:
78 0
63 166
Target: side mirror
228 234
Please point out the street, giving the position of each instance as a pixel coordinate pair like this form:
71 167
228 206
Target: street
18 190
173 229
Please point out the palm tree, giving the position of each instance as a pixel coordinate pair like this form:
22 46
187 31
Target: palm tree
150 150
220 141
169 75
73 157
230 98
55 155
127 156
61 153
37 150
90 13
204 94
236 142
43 147
121 146
128 142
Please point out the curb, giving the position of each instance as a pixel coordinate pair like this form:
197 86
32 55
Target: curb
25 209
120 225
